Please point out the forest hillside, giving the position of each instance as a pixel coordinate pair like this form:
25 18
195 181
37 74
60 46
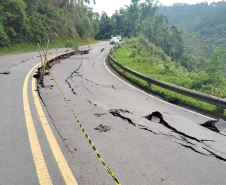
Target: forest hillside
204 25
24 21
157 48
143 18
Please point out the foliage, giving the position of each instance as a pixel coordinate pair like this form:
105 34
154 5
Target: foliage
205 26
191 48
216 65
71 44
140 20
23 21
152 61
13 20
32 46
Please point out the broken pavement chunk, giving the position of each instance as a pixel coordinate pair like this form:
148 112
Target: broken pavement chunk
116 113
206 146
163 122
5 72
216 126
103 128
99 114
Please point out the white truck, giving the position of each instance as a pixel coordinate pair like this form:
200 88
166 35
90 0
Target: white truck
114 40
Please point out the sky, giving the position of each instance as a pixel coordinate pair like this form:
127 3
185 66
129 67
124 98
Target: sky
109 6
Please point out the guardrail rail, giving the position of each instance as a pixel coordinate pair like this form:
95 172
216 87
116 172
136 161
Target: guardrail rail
181 90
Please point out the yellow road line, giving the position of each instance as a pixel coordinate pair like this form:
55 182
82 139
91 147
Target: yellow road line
59 157
87 137
41 168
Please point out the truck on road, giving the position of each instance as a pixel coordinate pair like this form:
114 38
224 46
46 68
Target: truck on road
119 37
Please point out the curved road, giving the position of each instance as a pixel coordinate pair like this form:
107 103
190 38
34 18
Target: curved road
137 150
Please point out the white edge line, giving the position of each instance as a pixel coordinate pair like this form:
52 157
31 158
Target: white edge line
153 96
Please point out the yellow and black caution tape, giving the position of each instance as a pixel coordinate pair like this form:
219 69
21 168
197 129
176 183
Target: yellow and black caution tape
90 142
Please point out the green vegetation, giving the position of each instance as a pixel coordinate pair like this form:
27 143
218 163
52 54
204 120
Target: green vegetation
142 56
103 39
142 19
204 27
190 58
22 22
24 47
208 20
71 44
163 51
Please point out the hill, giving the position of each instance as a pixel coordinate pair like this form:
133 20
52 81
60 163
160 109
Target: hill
207 21
24 21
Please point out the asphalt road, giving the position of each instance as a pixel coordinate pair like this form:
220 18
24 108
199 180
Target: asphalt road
16 161
137 150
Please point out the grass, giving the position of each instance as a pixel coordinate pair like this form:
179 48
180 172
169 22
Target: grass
32 46
154 66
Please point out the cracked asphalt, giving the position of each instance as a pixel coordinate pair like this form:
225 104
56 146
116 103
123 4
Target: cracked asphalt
169 148
16 161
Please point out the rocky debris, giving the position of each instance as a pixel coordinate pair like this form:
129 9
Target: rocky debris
5 73
103 128
163 122
99 114
218 126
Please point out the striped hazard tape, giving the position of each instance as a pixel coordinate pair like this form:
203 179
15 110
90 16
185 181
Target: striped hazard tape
89 140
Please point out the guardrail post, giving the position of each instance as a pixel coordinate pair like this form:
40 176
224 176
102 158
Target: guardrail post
150 85
108 59
221 109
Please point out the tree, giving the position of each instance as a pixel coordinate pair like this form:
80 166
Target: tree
177 46
216 65
13 20
148 10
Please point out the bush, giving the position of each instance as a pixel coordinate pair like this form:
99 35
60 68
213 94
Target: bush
144 41
71 44
133 54
4 39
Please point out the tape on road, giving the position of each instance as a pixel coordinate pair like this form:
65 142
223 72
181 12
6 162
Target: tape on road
86 135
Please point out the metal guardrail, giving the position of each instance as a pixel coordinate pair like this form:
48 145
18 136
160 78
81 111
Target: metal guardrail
184 91
66 55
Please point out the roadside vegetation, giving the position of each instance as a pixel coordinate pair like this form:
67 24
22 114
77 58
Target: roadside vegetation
143 19
157 47
163 51
22 22
203 25
26 47
142 56
207 21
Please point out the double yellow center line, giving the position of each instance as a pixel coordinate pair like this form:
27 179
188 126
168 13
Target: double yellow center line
41 168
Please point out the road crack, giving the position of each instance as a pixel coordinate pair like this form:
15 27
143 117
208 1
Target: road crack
117 113
193 144
52 120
